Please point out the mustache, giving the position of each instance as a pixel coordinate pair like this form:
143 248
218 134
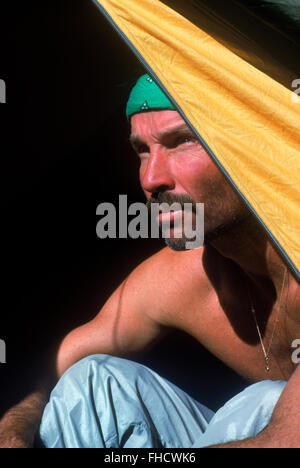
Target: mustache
170 199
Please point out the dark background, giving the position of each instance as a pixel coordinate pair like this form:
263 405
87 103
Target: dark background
64 150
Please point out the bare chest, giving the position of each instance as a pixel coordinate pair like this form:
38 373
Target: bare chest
247 343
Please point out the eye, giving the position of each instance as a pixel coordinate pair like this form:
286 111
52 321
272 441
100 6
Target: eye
142 149
185 140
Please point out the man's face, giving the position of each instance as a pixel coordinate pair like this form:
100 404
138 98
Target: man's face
176 168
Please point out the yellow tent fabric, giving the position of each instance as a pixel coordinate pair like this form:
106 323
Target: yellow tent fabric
249 122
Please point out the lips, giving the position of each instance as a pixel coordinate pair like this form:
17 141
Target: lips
170 216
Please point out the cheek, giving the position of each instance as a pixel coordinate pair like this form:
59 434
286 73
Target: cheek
195 170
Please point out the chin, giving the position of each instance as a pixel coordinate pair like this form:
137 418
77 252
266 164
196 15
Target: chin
179 245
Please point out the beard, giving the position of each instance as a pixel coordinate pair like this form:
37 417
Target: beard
224 229
224 213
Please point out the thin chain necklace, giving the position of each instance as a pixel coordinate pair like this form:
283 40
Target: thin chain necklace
253 310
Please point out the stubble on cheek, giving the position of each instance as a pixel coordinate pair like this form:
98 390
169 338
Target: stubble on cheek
223 208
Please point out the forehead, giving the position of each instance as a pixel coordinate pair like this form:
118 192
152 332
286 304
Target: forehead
151 123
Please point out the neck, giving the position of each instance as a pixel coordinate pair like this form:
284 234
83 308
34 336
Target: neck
248 246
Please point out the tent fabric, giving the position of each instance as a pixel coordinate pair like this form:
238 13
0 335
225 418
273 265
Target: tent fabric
247 121
250 28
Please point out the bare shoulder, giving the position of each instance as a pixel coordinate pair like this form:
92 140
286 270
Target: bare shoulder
169 284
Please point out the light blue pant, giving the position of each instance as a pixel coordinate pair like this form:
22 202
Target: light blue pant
107 402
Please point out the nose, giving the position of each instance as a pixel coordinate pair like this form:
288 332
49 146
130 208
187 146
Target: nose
157 176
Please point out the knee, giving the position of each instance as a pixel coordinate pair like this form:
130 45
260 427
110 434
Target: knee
86 366
98 391
100 371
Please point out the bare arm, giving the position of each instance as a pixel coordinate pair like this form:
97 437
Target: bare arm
284 428
20 424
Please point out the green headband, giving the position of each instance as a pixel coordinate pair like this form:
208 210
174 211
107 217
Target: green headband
147 96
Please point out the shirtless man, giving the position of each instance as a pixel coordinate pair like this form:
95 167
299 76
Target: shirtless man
211 294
